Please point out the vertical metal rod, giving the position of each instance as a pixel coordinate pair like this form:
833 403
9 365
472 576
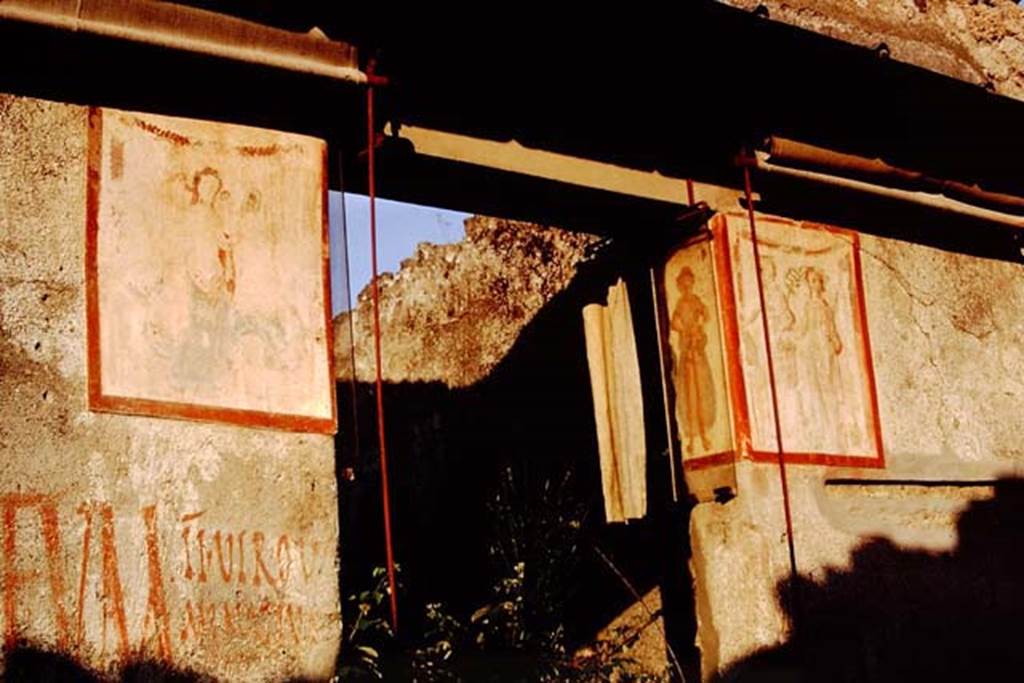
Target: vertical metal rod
771 377
371 145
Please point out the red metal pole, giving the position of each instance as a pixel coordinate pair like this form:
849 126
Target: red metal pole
771 377
371 145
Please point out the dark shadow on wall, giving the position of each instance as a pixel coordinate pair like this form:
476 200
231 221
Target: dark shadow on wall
905 615
525 433
30 664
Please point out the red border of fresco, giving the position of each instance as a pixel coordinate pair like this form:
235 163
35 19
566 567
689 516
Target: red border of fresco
860 321
100 402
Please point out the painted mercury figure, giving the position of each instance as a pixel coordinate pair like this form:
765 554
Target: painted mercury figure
695 398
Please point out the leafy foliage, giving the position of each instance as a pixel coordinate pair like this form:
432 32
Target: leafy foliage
517 635
360 646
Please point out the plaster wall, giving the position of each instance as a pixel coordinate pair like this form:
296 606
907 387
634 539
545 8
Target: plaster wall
946 335
209 549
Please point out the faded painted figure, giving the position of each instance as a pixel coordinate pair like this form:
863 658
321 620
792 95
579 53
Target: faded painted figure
210 285
203 355
814 313
216 333
695 397
782 323
818 371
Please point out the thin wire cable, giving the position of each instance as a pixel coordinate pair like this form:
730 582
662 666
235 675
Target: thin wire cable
639 598
351 318
664 390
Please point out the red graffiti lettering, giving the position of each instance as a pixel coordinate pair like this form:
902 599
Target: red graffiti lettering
156 604
112 594
241 558
188 558
83 572
205 556
225 574
45 507
260 567
284 559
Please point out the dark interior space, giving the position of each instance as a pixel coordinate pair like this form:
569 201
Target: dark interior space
507 470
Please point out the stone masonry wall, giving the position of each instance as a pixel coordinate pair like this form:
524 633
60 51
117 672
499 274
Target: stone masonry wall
978 41
452 312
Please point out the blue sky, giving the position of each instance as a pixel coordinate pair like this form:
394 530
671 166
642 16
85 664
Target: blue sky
400 227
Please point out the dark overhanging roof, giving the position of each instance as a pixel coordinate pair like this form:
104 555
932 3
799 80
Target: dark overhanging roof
684 95
682 92
89 69
679 92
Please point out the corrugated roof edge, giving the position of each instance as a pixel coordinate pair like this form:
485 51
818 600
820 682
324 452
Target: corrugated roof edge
190 29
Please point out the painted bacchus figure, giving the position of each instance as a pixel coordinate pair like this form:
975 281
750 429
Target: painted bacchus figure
695 397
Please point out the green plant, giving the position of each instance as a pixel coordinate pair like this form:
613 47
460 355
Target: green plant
500 623
359 657
441 640
538 531
519 634
537 524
